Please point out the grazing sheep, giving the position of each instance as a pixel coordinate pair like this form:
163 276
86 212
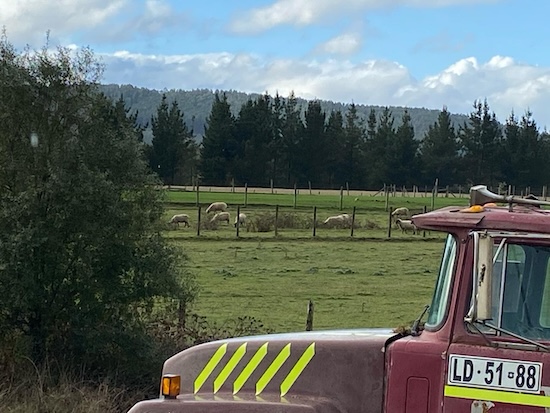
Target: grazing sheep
347 220
219 217
241 220
216 207
402 213
406 225
180 218
335 221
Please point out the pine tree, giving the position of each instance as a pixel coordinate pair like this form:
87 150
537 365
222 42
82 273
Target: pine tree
402 154
480 140
439 151
336 160
293 129
353 148
219 147
254 132
312 146
173 143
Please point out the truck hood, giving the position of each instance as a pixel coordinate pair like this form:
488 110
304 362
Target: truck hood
318 371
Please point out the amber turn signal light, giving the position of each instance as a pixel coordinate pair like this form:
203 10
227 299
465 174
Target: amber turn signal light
171 385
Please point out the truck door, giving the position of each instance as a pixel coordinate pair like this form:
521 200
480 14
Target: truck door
502 364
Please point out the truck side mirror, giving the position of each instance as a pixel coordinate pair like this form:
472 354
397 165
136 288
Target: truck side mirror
484 278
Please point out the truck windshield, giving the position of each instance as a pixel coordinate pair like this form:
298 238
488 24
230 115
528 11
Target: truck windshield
521 289
440 300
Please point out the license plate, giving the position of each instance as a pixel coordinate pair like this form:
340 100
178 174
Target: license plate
492 373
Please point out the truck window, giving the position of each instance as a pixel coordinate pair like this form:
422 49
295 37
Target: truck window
521 290
440 300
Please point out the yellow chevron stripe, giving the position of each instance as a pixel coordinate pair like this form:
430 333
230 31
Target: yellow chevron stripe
273 369
524 399
297 369
229 367
210 366
249 368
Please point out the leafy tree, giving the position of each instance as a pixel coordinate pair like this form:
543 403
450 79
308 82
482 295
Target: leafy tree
81 255
219 147
173 143
439 151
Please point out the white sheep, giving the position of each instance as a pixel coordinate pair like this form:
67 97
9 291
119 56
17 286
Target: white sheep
216 207
219 217
241 220
402 213
335 221
406 225
347 220
180 218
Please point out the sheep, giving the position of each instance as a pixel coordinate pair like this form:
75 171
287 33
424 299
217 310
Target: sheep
219 217
402 212
216 207
406 225
335 221
176 219
347 220
241 221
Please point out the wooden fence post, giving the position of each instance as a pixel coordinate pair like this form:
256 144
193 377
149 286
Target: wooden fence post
245 195
341 198
197 203
352 221
276 219
309 318
295 194
314 220
424 231
198 221
389 222
238 221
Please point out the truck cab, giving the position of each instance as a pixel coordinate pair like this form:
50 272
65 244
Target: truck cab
484 346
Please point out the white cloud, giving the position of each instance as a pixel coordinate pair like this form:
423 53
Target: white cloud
306 12
28 20
344 44
507 85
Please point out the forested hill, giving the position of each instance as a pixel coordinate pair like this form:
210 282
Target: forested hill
196 106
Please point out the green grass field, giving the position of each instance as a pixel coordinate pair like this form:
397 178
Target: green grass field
353 283
368 280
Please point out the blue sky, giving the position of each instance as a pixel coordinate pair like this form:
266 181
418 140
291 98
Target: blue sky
415 53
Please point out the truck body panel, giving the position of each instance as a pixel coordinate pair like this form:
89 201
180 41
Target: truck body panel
317 371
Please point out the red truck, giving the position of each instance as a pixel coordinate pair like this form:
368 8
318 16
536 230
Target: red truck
484 346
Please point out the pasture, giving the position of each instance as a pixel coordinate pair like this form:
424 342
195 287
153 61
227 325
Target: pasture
368 280
352 283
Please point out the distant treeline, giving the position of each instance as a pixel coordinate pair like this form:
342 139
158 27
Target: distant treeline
272 141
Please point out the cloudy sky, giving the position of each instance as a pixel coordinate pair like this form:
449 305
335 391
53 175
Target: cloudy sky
415 53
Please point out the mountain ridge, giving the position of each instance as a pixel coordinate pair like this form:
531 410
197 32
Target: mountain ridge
196 106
